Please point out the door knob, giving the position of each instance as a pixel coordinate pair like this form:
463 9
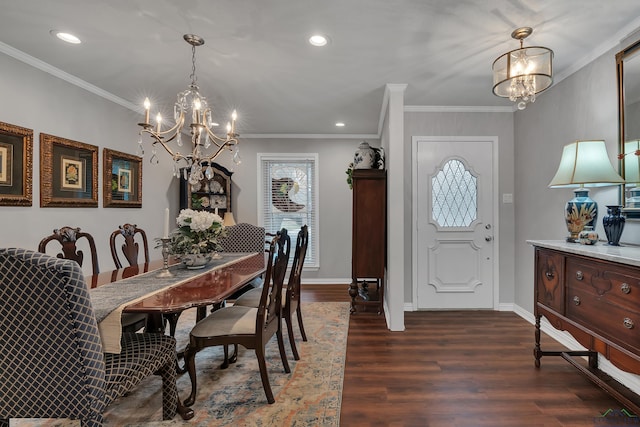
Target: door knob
488 238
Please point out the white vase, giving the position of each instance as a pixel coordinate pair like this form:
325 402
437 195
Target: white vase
364 157
195 261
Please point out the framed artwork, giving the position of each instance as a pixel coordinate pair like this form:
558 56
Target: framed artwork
122 180
68 173
16 165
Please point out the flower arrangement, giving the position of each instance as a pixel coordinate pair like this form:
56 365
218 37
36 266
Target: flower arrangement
197 233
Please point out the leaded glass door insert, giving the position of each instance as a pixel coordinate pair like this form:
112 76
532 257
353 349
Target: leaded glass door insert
454 195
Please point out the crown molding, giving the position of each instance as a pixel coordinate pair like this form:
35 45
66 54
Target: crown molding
50 69
309 136
456 109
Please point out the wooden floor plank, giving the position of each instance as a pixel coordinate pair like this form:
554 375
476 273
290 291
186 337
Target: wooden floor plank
464 368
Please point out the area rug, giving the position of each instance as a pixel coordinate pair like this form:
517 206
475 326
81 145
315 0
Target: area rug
309 396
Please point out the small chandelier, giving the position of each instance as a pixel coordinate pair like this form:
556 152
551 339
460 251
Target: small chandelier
522 73
205 144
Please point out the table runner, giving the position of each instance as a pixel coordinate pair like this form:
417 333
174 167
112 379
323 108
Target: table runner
109 300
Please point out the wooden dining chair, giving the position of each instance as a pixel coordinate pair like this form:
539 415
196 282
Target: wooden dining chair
68 238
130 248
251 327
291 294
53 364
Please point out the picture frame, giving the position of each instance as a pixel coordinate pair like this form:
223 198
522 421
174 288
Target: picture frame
16 165
121 180
68 173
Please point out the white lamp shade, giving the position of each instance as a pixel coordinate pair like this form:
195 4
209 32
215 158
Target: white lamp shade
228 219
632 162
585 164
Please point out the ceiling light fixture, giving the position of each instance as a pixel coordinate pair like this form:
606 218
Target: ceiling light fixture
522 73
318 40
66 37
340 124
205 144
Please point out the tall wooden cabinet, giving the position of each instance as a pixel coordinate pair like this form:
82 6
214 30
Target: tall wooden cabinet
368 257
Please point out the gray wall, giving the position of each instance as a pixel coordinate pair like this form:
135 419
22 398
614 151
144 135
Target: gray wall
334 155
472 124
583 106
44 103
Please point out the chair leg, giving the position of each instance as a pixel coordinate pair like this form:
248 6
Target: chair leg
190 363
264 375
292 339
299 313
283 353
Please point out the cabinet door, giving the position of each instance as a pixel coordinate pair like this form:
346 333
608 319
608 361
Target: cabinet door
549 279
369 223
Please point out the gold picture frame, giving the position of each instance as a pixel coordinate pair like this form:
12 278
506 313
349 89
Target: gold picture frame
68 173
121 180
16 165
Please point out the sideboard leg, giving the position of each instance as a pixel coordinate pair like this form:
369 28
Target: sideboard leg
537 352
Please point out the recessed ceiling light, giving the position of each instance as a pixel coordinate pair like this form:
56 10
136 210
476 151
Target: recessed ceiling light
340 124
318 40
66 37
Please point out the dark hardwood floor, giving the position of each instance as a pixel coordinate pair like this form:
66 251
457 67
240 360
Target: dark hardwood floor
459 368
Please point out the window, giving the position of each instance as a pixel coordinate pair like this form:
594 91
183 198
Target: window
288 197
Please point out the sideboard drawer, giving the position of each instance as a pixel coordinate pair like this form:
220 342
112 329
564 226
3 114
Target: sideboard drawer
620 324
617 285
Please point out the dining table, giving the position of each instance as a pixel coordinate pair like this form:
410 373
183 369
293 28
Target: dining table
164 290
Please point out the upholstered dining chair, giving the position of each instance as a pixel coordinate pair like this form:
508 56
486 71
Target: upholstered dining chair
130 248
291 294
68 238
251 327
52 363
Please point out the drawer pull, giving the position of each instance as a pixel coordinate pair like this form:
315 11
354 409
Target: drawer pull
549 275
628 323
579 275
625 288
576 300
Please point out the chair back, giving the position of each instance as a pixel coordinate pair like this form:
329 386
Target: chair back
243 237
129 248
270 306
293 286
52 364
68 237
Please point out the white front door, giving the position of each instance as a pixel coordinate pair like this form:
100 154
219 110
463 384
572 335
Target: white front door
454 223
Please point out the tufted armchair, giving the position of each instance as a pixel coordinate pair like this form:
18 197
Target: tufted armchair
52 364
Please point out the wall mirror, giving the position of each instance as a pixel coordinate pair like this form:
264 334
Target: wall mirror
628 72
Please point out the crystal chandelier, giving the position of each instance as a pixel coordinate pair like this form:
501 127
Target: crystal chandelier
205 144
522 73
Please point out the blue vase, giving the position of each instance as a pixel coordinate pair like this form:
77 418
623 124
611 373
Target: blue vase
580 211
613 224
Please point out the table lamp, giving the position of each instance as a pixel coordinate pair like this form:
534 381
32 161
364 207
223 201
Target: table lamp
583 164
228 220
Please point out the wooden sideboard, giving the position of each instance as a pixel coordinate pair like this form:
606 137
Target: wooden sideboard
592 292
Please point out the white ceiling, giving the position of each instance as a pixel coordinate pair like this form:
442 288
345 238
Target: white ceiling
256 57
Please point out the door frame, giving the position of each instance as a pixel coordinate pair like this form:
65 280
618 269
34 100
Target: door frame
415 140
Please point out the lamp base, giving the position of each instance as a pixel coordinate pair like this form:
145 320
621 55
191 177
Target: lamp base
579 212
